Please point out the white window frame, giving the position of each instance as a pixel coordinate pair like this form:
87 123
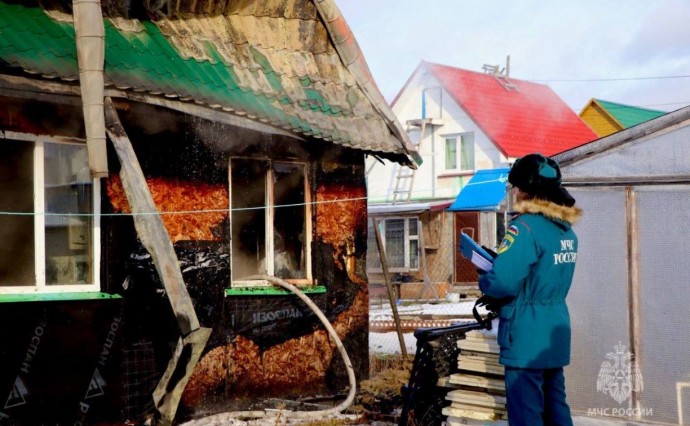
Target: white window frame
406 246
40 285
458 151
270 214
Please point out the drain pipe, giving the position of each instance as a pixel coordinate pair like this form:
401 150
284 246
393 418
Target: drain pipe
223 418
90 37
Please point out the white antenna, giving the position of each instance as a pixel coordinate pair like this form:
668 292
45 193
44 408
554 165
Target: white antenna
502 75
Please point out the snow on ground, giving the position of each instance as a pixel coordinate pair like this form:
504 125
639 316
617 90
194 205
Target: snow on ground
388 343
383 311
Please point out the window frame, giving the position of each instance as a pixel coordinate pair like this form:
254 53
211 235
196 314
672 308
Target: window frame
40 286
406 246
270 213
458 145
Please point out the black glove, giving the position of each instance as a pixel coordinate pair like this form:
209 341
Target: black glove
492 305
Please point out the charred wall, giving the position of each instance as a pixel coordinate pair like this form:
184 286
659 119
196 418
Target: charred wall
261 345
99 360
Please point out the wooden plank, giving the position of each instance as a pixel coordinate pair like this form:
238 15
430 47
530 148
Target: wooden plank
634 288
156 240
471 414
169 390
459 421
477 398
149 225
499 412
478 346
482 367
444 382
478 382
484 356
391 296
480 335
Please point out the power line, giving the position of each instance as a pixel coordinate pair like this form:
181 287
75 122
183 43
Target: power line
584 80
624 106
181 212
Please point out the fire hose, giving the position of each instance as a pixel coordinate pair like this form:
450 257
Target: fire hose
221 419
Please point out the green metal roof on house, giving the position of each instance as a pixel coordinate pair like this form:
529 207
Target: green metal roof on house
272 61
627 115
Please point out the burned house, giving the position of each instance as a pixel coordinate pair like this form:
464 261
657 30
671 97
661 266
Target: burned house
158 166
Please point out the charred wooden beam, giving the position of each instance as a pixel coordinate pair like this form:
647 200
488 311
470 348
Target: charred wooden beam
50 91
167 394
155 238
40 90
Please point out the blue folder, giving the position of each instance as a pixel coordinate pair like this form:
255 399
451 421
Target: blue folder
470 249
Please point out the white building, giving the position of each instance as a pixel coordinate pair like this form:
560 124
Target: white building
460 121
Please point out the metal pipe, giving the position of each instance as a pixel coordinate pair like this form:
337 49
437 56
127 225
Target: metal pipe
433 163
90 38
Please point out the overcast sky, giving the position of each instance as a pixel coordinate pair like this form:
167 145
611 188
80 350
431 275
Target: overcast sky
546 40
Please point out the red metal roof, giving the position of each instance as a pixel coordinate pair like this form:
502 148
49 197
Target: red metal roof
530 119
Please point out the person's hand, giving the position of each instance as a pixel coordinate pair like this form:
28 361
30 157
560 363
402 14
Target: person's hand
492 304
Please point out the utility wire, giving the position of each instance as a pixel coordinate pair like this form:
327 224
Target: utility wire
206 211
203 211
585 80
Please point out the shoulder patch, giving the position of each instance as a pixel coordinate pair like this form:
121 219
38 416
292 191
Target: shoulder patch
513 230
505 244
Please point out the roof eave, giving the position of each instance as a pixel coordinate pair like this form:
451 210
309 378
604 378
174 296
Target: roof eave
353 59
601 145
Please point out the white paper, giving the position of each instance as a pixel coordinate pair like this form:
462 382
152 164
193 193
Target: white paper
494 328
481 262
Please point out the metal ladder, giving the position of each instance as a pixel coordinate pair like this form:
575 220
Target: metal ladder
404 177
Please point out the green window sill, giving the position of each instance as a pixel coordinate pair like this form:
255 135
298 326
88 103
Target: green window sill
271 291
56 297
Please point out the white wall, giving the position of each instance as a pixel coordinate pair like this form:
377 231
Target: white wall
431 180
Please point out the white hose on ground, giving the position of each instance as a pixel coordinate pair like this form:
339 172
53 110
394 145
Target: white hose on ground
255 414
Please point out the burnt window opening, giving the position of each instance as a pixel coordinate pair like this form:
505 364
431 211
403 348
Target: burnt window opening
47 218
270 216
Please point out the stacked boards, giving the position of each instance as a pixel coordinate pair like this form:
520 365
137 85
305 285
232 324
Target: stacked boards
479 396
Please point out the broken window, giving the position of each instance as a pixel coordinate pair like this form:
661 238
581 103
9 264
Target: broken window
269 220
47 217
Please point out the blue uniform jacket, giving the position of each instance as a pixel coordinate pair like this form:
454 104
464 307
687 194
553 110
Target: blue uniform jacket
534 267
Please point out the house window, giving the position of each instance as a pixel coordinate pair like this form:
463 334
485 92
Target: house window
451 153
400 237
270 214
460 152
48 218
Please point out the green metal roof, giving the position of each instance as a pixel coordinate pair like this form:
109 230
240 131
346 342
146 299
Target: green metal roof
278 68
627 115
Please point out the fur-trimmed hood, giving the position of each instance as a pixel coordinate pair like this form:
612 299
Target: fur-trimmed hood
549 209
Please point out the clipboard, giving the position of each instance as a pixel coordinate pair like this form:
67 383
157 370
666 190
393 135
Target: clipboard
475 253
